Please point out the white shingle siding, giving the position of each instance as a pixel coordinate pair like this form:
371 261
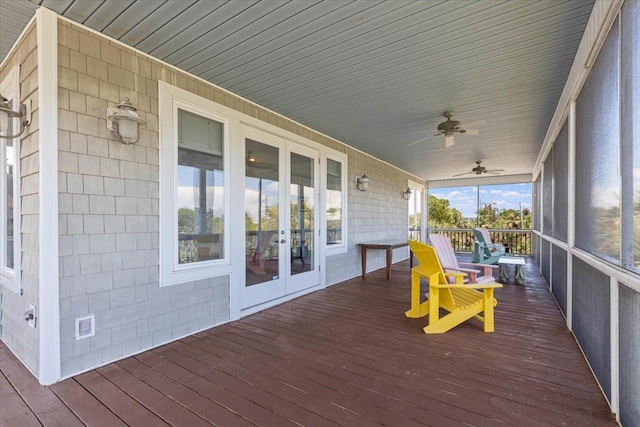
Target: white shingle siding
109 220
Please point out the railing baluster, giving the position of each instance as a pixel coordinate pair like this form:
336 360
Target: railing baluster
462 239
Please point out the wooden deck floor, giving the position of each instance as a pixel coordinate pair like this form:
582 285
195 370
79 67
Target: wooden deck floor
342 356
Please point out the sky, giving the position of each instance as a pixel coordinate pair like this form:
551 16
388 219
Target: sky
506 196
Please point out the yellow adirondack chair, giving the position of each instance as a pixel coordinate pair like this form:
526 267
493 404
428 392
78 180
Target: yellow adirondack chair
461 301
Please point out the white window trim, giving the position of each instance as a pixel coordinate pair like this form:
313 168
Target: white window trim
172 273
10 88
342 158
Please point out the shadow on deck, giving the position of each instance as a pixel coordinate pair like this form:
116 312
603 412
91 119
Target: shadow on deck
345 355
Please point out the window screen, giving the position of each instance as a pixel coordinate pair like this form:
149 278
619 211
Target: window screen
560 183
547 195
630 134
535 210
598 156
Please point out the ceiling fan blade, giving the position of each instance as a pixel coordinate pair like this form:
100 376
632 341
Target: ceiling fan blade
415 142
494 171
448 141
472 132
466 173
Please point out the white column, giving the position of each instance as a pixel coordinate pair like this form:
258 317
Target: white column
49 322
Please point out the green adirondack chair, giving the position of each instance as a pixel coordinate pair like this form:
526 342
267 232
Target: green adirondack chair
484 251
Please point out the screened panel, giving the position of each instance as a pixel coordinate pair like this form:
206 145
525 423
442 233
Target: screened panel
629 356
547 195
546 261
536 203
535 248
597 157
591 319
630 134
559 273
560 183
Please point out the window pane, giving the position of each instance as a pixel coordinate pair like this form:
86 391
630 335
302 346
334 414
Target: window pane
262 212
200 191
302 214
8 202
334 202
415 215
598 156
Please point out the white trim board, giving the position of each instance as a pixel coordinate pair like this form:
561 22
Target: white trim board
49 284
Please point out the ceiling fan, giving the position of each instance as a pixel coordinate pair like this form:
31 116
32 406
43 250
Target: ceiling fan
479 170
449 127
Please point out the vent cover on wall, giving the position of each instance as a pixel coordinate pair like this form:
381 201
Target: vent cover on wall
85 327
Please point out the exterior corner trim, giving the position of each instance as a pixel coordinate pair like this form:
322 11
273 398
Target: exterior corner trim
48 274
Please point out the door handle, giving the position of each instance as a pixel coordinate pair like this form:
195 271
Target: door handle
282 241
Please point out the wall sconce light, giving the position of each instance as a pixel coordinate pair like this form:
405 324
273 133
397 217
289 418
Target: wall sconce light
124 122
406 194
6 113
362 182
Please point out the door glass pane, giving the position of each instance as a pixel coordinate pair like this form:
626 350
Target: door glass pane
200 189
415 214
334 202
262 212
8 227
302 213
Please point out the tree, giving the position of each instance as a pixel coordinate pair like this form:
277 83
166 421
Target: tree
442 216
186 220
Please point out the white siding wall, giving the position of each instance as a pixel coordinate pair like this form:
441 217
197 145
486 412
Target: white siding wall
14 331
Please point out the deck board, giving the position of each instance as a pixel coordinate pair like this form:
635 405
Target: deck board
42 402
346 356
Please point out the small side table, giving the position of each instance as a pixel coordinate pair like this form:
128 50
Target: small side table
386 245
504 262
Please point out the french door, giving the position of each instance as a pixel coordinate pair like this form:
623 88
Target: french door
281 217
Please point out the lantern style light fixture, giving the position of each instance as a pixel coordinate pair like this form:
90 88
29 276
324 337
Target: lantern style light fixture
362 182
124 122
6 114
406 194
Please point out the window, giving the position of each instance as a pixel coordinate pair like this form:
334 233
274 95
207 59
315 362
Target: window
415 211
193 200
10 190
336 203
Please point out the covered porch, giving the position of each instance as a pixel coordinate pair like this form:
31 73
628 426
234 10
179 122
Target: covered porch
344 355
